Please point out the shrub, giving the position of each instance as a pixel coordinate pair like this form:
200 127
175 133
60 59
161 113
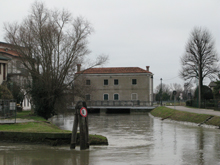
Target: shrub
189 103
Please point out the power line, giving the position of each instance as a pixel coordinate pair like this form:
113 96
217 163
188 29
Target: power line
167 79
171 78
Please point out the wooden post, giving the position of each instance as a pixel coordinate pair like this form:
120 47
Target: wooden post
75 127
82 119
86 128
74 132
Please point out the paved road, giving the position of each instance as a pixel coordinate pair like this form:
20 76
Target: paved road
196 110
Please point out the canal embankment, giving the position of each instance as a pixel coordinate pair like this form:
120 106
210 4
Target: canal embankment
187 115
36 130
53 139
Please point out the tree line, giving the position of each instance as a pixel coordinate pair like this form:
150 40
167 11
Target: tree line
182 93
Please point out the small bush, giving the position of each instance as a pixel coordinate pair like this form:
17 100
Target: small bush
189 103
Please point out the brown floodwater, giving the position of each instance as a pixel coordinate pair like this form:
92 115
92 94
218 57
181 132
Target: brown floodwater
133 139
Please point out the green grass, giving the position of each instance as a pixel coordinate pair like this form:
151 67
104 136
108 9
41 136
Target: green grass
96 139
29 115
40 124
164 112
214 121
32 127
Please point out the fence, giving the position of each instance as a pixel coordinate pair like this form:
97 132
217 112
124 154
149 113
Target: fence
120 103
8 109
208 104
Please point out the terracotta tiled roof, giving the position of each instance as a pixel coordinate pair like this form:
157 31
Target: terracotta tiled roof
9 52
4 44
114 70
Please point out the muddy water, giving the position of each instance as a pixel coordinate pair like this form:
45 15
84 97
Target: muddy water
133 139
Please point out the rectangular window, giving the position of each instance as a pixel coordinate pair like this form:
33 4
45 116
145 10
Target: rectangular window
134 81
115 81
88 82
116 97
88 97
105 82
105 96
134 96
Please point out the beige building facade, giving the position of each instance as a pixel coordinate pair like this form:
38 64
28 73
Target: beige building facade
118 84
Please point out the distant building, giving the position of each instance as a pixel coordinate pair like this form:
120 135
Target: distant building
11 68
118 84
212 84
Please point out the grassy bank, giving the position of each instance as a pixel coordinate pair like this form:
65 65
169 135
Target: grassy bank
29 115
40 131
39 124
167 113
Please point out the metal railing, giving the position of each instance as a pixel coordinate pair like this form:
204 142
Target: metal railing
129 103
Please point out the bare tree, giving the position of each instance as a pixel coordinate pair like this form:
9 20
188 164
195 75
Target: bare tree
200 59
188 90
50 44
81 89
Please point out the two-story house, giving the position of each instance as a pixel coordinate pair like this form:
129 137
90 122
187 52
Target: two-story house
11 68
117 84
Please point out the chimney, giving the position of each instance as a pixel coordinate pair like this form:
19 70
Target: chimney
147 68
78 67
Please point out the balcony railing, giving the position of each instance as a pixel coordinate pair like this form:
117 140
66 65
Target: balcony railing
128 103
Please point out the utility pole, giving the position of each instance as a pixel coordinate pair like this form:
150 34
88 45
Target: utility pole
161 96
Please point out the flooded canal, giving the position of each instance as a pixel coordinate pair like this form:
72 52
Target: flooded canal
133 139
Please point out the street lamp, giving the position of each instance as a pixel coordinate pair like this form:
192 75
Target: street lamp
161 92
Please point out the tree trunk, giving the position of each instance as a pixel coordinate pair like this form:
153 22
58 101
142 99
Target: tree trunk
74 131
200 85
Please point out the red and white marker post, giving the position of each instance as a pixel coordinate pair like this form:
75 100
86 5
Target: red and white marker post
83 112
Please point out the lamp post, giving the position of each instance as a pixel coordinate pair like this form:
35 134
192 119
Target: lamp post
161 93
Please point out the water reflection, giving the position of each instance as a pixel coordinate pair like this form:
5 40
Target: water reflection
133 139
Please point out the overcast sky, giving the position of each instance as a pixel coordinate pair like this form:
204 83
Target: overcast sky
135 33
